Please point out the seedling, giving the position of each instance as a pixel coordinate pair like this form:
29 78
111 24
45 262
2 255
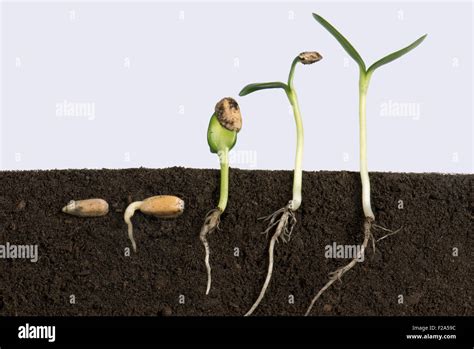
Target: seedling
162 206
225 123
365 75
87 208
284 218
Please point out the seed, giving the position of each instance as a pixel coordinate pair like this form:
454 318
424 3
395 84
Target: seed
163 206
87 208
309 57
228 113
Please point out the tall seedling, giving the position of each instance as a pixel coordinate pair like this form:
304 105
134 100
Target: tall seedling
364 80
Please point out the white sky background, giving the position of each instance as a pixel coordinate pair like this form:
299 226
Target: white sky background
153 71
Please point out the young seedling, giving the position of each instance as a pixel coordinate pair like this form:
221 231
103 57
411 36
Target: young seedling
162 206
284 218
87 208
225 123
364 79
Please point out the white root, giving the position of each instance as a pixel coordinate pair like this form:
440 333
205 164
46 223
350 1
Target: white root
286 218
163 206
87 208
390 232
211 223
129 212
336 275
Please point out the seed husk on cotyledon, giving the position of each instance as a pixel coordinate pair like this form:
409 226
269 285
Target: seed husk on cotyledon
225 123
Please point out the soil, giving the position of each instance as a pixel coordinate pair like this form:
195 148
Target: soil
85 257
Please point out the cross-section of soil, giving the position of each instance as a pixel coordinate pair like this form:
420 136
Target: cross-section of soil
425 269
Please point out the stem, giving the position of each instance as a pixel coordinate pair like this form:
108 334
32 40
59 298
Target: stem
364 173
292 73
224 187
297 175
298 172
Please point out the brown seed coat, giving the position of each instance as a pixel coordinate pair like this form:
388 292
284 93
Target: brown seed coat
163 206
87 208
228 114
309 57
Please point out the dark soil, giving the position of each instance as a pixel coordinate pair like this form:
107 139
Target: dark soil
85 256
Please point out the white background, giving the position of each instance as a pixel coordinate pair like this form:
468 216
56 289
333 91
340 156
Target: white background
154 71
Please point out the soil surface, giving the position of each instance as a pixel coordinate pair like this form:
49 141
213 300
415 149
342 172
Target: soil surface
428 263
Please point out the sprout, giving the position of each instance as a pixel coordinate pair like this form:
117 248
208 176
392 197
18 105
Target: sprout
284 218
225 123
364 80
162 206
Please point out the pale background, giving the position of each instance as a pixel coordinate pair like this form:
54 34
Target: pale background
153 72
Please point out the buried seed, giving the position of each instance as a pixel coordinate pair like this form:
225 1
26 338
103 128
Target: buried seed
283 220
224 125
87 208
162 206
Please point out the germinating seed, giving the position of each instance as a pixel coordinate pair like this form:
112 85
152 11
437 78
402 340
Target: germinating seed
162 206
224 125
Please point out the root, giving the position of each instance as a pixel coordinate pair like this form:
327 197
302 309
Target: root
336 275
129 212
285 220
211 223
390 233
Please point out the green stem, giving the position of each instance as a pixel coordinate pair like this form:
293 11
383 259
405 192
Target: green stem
364 172
224 187
292 73
298 172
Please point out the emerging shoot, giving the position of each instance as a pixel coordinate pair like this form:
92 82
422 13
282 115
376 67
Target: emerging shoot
284 218
224 125
162 206
365 75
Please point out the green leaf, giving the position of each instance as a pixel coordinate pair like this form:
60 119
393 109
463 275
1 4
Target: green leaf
261 86
393 56
342 40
